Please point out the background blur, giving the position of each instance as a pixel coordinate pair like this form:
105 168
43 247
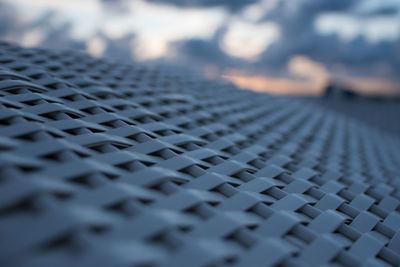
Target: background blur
278 46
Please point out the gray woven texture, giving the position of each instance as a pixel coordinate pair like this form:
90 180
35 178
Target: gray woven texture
108 164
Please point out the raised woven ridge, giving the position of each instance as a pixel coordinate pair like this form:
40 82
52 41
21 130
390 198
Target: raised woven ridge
108 164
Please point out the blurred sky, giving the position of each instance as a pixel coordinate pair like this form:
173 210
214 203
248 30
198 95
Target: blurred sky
280 46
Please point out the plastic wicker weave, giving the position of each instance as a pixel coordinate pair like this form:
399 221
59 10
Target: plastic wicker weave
108 164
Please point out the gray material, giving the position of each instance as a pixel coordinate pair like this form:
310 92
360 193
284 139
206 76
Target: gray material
108 164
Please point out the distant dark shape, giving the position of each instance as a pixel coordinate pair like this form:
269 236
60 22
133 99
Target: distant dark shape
338 90
232 5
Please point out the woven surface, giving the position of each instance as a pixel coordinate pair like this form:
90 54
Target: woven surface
106 164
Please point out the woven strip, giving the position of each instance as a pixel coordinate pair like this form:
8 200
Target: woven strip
109 164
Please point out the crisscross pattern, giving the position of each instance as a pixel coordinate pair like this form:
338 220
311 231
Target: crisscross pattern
113 164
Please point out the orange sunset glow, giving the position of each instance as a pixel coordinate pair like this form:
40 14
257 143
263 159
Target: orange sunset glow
285 86
311 78
275 85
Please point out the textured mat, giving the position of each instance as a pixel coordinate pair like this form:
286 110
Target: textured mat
108 164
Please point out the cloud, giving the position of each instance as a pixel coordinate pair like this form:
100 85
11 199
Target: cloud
205 51
299 37
378 8
57 36
239 40
294 14
383 11
158 33
10 24
116 6
232 5
120 48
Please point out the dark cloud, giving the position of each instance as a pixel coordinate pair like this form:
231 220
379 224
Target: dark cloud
56 35
121 6
298 37
60 38
204 52
6 19
294 16
233 5
383 11
119 48
9 21
116 6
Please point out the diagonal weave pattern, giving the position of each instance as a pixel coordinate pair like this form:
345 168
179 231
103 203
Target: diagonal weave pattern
106 164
